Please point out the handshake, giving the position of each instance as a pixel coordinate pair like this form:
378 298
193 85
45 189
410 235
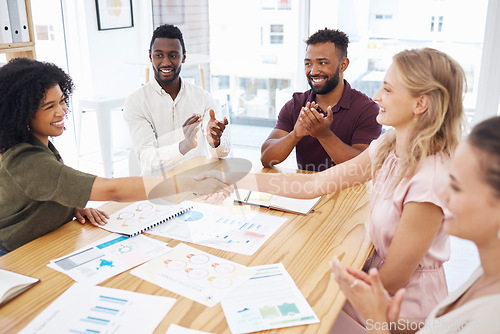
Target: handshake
212 182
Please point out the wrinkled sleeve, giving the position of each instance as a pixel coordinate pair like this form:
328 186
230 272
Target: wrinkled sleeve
42 178
150 156
285 121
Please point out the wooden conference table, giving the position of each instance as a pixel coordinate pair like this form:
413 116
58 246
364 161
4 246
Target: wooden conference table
304 244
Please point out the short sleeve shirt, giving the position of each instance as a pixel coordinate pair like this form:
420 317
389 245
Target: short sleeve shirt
38 193
354 122
387 202
427 285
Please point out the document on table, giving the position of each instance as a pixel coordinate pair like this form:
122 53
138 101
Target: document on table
176 329
270 299
194 274
108 257
234 229
87 308
266 200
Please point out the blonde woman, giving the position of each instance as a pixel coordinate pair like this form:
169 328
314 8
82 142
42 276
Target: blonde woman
473 201
421 98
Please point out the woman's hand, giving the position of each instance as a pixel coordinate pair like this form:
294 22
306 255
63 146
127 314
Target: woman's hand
95 216
366 293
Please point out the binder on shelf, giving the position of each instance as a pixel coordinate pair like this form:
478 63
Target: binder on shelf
5 29
23 17
18 20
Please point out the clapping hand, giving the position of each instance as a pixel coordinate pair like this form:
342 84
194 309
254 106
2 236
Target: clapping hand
215 129
299 128
315 123
190 128
366 293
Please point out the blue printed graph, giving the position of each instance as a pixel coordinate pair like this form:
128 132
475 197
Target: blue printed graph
191 216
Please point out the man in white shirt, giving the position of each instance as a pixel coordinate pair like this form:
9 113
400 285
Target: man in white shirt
170 120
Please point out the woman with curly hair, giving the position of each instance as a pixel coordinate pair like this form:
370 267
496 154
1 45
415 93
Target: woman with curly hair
421 99
38 193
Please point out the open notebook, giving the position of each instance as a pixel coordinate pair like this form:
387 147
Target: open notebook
13 284
265 200
140 216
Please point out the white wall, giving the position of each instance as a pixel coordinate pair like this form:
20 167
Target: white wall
106 62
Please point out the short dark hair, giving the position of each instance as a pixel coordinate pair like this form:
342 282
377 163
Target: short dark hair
337 37
23 85
168 31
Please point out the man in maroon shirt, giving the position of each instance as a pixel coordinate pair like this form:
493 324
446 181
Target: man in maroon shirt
330 123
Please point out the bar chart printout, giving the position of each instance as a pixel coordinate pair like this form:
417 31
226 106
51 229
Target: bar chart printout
270 299
85 309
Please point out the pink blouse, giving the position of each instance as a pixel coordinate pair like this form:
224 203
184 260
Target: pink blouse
427 286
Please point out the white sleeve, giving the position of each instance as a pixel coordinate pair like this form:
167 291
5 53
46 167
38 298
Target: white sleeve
145 142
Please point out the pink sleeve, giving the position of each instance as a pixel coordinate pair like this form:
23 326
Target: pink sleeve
426 184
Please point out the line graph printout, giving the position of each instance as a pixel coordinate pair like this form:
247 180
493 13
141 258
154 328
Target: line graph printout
233 229
194 274
270 299
108 257
87 309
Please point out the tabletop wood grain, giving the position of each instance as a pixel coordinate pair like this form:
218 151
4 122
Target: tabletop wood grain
304 244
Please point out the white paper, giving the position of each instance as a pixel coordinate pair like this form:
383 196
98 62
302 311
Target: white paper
176 329
12 284
194 274
140 216
232 229
108 257
270 299
95 309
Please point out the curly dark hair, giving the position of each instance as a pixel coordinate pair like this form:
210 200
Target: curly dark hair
168 31
337 37
23 85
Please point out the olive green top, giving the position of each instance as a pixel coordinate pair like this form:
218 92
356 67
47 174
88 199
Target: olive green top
38 193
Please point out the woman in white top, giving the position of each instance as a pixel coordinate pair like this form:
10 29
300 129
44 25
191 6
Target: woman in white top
473 200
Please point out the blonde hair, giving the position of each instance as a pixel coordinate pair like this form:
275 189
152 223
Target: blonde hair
433 73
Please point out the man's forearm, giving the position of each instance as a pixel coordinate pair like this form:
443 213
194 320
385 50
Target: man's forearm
337 150
276 150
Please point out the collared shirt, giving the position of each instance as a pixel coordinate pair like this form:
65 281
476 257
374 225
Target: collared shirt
354 122
155 124
38 193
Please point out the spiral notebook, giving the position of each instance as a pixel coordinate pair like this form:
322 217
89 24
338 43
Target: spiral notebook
141 216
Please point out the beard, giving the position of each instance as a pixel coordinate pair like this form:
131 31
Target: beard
328 86
159 78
